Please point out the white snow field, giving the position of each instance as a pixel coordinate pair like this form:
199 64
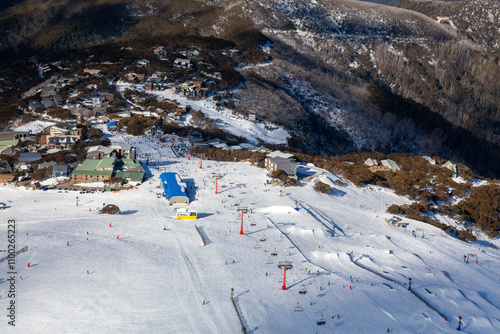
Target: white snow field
157 275
34 126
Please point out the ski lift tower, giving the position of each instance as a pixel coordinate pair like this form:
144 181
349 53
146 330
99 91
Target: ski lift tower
285 265
241 228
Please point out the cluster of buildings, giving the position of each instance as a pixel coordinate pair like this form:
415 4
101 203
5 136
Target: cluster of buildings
80 102
50 96
197 140
195 88
100 165
386 165
26 164
390 165
61 135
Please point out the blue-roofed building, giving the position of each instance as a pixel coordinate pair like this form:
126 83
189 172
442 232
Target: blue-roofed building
112 126
174 189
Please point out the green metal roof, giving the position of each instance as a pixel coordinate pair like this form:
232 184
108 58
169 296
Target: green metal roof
93 172
106 163
106 167
131 162
134 176
88 165
96 164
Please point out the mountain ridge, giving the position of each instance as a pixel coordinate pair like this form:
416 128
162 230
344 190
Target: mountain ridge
348 45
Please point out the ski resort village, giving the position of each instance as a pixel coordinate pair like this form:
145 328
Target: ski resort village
139 201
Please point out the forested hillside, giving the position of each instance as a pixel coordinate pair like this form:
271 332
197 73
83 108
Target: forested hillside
341 75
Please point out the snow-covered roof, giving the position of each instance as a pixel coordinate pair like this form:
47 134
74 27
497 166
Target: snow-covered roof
174 188
100 148
391 164
279 154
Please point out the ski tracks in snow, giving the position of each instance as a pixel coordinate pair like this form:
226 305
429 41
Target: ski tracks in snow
194 276
320 217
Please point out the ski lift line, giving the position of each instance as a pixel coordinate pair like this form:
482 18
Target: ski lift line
303 255
317 310
322 216
311 323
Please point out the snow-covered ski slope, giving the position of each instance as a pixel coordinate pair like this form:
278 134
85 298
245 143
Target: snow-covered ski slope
155 277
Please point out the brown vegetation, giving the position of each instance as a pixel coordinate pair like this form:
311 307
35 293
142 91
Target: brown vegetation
256 158
482 208
110 209
322 188
41 174
283 176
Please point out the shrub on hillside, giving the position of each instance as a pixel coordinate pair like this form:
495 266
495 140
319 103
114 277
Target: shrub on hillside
279 174
135 125
395 210
41 174
465 235
115 181
110 209
482 208
322 188
359 175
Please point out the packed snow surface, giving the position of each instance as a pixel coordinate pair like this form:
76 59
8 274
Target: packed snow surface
34 127
150 273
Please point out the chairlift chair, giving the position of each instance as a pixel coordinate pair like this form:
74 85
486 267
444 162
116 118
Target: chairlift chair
298 308
302 291
321 322
274 253
269 261
257 246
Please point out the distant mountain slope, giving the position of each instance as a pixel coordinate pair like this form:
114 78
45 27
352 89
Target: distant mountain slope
383 2
325 54
63 24
479 20
334 17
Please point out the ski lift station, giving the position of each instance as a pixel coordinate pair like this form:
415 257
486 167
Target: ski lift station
183 214
175 189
